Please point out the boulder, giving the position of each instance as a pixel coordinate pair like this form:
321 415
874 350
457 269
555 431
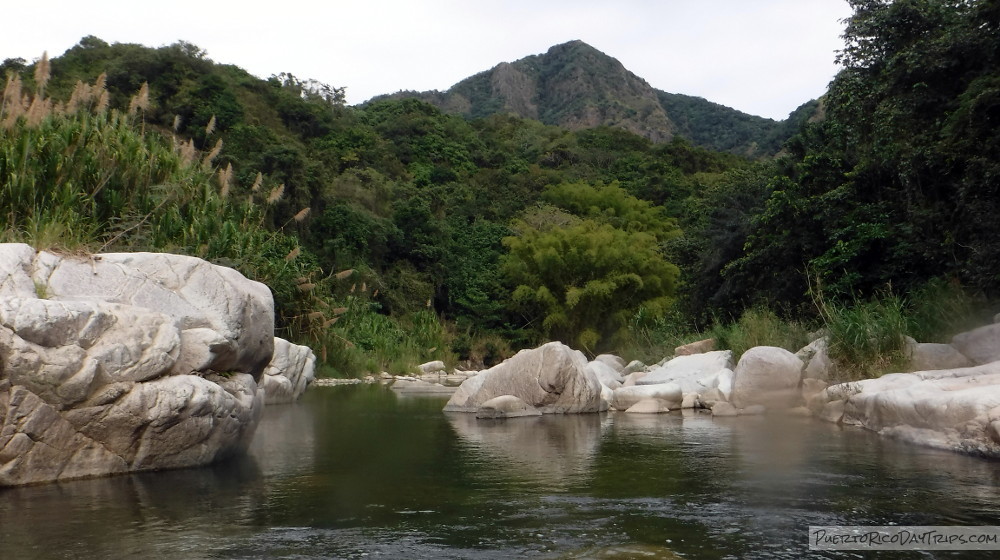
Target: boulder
291 370
552 378
767 375
981 345
123 363
694 373
668 393
232 317
437 366
691 400
699 347
648 406
633 367
506 406
924 356
725 383
606 374
816 357
612 361
956 409
811 389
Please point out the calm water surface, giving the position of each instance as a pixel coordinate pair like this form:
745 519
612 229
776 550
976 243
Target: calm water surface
357 472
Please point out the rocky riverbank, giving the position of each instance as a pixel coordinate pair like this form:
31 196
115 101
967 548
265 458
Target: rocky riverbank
119 363
950 398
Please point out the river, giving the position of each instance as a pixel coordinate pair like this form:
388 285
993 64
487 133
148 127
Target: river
358 472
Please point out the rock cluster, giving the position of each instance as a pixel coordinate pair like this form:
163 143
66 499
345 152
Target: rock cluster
951 401
128 362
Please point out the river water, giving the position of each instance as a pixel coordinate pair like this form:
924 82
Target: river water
358 472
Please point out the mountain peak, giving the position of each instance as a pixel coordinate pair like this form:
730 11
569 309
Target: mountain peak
576 86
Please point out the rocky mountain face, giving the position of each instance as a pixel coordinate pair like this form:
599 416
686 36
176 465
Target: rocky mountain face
576 86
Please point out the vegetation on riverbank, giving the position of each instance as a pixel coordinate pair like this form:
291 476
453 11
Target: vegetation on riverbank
393 233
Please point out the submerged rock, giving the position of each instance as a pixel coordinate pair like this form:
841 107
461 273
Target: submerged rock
648 406
668 393
506 406
552 378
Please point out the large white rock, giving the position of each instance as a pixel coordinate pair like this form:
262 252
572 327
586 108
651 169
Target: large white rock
612 361
606 374
290 372
957 409
768 376
693 373
232 318
552 378
123 363
923 356
816 357
981 345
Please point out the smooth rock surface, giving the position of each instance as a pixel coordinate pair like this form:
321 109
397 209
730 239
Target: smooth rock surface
768 376
552 378
122 363
291 370
606 374
668 393
612 361
956 409
924 356
694 374
816 357
506 406
648 406
981 345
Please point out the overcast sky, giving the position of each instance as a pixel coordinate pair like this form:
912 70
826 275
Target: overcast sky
764 57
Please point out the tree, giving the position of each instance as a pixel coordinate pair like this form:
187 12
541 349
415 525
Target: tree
581 282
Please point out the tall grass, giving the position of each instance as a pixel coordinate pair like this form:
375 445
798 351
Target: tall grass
759 326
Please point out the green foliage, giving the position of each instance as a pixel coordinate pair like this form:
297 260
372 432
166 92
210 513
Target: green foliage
867 337
759 326
581 283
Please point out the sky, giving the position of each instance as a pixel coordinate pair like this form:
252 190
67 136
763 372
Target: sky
763 57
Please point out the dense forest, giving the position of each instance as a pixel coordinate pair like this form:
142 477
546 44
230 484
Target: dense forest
394 233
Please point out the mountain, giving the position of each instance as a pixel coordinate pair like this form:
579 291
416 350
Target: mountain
576 86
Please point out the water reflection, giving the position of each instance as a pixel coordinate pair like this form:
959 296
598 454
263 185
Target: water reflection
556 451
358 472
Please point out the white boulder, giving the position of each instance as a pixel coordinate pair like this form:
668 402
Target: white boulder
694 373
122 363
606 374
981 345
552 378
923 356
816 357
957 409
291 370
768 376
612 361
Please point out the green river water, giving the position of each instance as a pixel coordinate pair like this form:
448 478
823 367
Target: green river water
359 472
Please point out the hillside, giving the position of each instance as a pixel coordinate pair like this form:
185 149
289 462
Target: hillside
576 86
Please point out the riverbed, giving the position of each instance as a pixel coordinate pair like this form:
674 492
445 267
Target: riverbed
359 472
